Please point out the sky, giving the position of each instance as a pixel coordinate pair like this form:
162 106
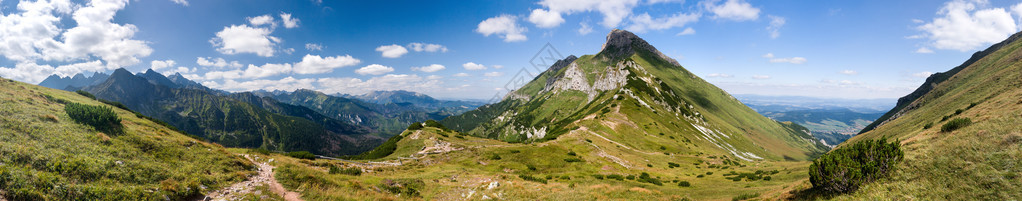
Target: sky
482 49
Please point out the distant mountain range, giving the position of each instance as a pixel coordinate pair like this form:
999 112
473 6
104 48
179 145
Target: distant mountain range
285 121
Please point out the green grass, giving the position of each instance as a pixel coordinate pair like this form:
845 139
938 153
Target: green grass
45 155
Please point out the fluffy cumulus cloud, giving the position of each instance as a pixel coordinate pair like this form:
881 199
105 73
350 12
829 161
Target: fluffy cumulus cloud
461 75
286 84
313 47
374 69
545 18
775 26
160 65
643 22
792 60
430 68
392 51
849 72
288 21
965 25
310 64
218 62
473 66
386 82
736 10
426 47
36 31
613 11
505 26
314 64
261 20
236 39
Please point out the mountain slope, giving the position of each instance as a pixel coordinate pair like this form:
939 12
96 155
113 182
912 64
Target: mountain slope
45 155
233 122
975 162
633 93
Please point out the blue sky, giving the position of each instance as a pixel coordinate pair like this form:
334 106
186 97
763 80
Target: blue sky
471 49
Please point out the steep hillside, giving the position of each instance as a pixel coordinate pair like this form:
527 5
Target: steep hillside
632 93
46 155
238 121
946 157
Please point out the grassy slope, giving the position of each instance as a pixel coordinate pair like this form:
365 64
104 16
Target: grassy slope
466 174
980 161
45 155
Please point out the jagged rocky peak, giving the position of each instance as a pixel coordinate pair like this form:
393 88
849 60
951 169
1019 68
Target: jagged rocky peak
622 43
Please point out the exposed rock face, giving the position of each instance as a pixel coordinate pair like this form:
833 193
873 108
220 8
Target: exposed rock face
621 43
560 64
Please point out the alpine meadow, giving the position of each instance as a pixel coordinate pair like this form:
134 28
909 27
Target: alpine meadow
510 100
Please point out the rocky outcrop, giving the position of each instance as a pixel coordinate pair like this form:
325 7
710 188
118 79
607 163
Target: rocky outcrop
621 43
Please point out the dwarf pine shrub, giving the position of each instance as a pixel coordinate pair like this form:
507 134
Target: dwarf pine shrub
845 169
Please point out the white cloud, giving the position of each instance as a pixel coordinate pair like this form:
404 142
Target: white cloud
261 20
497 66
386 82
584 28
392 51
642 23
34 32
967 25
434 77
849 72
473 66
314 64
687 31
288 21
493 74
775 25
251 72
720 75
426 47
545 19
313 47
923 74
924 50
286 84
374 69
505 26
237 39
737 10
461 75
760 77
792 60
430 68
614 11
218 62
180 69
182 2
158 65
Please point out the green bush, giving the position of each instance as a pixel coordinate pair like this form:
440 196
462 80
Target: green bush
102 118
435 124
845 169
928 125
572 160
494 157
645 178
353 171
598 176
572 153
955 124
533 168
531 178
302 155
616 177
515 151
415 126
86 94
745 196
684 184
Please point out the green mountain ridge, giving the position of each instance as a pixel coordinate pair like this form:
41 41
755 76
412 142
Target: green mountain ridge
644 87
230 121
